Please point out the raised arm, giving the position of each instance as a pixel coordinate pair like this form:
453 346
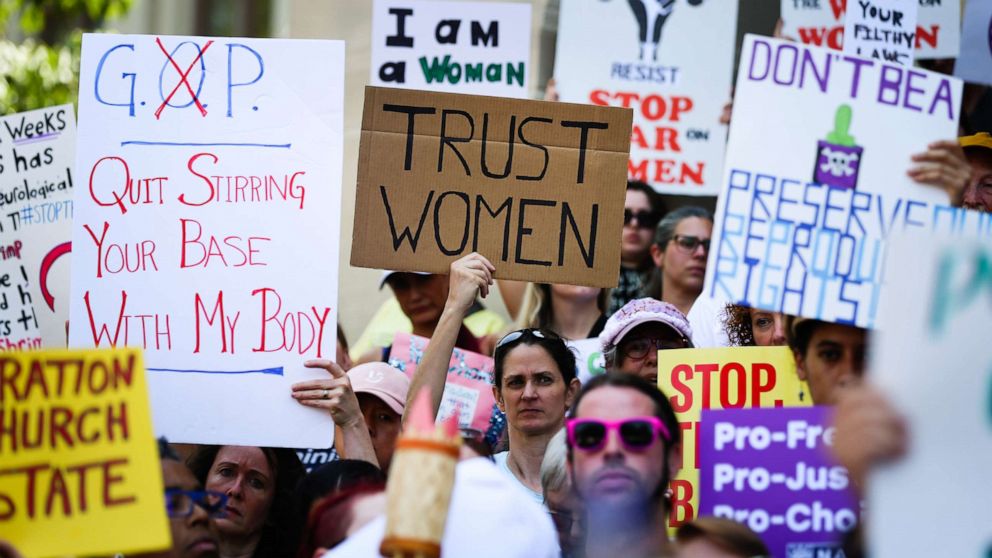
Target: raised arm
468 277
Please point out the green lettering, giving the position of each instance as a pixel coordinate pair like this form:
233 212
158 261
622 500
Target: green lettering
515 73
437 71
473 72
494 73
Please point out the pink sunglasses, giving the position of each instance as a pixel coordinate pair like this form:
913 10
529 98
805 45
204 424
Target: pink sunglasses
637 433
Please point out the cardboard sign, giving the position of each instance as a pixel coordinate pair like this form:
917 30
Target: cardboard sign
672 63
935 350
79 466
588 358
207 231
804 214
724 378
481 48
882 30
37 180
772 470
536 187
469 387
975 63
18 321
821 23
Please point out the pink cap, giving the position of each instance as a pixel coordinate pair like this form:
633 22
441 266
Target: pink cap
383 381
642 311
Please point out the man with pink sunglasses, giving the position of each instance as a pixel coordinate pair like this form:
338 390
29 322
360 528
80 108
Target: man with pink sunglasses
624 447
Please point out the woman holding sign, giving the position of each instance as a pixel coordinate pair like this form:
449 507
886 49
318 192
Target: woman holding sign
534 376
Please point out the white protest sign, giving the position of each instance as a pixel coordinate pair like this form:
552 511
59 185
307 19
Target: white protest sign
975 62
207 232
589 360
672 63
931 356
821 23
37 179
18 320
812 188
482 48
882 30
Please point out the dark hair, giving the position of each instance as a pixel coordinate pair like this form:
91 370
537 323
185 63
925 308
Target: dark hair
662 409
800 334
342 339
655 200
728 536
276 539
339 505
333 477
549 341
663 235
737 323
165 451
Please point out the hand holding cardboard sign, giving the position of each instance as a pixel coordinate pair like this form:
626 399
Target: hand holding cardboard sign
943 165
469 276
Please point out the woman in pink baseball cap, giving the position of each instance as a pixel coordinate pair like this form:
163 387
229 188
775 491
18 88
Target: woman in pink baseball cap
635 333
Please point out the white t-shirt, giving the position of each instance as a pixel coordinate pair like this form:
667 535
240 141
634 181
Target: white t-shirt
500 459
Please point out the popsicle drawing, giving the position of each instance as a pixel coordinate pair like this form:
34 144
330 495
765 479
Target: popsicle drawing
838 157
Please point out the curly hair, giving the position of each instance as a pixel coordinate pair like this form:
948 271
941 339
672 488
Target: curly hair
737 323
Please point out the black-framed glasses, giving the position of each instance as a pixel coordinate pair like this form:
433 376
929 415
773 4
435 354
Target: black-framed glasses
688 243
179 502
645 219
636 349
514 335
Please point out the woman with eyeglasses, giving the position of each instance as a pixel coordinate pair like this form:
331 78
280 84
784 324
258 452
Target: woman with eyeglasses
634 335
534 377
258 483
681 246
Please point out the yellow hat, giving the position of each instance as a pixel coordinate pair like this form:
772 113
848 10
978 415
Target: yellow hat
981 139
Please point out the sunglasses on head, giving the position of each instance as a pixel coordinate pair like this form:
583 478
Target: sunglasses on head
645 219
689 243
589 434
514 335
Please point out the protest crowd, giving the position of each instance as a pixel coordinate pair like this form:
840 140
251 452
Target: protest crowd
559 390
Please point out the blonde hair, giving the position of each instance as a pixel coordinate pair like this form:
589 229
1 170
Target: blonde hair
536 310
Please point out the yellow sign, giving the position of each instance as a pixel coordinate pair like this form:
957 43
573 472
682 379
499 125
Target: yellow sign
79 466
724 378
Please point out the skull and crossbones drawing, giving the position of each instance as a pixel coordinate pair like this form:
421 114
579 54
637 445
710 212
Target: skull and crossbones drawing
838 163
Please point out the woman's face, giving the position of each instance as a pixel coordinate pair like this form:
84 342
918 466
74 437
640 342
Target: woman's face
768 328
384 427
637 352
243 473
575 292
834 361
682 267
637 236
533 393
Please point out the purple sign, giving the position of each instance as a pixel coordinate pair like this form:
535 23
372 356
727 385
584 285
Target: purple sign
771 470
